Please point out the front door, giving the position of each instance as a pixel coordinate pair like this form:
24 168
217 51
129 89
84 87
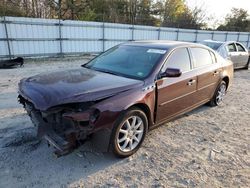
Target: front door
243 55
233 54
174 95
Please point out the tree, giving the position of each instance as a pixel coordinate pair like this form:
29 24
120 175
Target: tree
177 14
10 8
237 20
144 15
170 13
28 8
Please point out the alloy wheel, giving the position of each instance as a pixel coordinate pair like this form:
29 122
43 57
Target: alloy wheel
221 93
130 134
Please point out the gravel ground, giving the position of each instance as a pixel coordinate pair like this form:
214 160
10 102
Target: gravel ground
208 147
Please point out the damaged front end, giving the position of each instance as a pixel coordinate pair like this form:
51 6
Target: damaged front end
65 127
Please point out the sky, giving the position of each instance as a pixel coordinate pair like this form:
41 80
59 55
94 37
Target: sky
218 9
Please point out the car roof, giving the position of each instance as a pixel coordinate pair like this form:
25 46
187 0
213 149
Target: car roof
163 44
221 42
213 41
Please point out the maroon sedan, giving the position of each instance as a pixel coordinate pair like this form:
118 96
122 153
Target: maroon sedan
124 92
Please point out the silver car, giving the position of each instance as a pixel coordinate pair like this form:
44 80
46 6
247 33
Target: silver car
234 51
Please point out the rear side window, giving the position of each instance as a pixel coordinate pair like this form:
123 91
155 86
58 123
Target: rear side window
240 48
201 57
179 59
231 47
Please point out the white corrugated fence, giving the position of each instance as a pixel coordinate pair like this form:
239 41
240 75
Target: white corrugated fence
34 37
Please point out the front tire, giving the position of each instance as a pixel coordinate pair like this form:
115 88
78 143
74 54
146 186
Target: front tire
219 94
129 132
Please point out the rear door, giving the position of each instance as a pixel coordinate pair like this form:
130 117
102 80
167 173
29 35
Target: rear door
176 94
208 72
243 55
233 54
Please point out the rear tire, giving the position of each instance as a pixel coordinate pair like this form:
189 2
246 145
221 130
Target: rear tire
129 132
219 94
246 67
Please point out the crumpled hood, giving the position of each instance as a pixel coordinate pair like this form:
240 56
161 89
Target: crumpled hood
71 86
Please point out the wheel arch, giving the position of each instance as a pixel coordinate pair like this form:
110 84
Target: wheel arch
226 79
145 108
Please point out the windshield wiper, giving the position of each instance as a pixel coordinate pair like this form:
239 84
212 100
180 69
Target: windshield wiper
84 65
107 71
102 70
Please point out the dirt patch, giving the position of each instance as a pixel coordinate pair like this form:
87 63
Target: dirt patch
17 138
208 147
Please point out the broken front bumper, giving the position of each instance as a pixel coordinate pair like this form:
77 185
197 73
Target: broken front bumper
62 132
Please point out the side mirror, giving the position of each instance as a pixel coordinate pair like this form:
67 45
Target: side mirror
171 72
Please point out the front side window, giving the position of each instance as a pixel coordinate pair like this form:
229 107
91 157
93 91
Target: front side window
240 48
231 47
129 61
201 57
179 59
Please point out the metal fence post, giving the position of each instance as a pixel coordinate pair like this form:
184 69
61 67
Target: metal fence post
7 37
103 37
177 37
213 35
196 35
60 27
238 37
159 33
226 36
60 37
248 41
132 32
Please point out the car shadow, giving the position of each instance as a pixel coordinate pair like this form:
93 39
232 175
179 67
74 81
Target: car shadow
27 161
198 110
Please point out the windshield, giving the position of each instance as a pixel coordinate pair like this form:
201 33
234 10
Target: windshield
129 61
213 45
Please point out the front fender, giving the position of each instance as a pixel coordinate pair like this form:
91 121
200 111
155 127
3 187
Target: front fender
111 108
114 107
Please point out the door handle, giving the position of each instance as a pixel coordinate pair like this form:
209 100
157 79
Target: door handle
191 82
